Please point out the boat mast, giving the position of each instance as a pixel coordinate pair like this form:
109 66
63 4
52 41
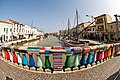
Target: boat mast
77 25
68 28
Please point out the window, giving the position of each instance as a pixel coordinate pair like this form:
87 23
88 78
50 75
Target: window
10 37
10 29
93 29
111 27
87 30
98 27
14 30
17 27
6 37
4 29
90 29
100 20
102 26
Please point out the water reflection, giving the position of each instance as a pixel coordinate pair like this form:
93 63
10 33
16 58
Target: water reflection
48 42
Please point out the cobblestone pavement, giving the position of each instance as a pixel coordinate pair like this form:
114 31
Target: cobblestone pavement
99 72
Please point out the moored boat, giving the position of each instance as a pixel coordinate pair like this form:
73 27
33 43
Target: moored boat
81 42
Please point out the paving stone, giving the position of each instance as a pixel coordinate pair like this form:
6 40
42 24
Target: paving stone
99 72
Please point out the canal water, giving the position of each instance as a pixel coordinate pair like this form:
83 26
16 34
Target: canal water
48 42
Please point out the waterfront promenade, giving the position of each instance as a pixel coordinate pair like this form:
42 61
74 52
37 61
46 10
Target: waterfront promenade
99 72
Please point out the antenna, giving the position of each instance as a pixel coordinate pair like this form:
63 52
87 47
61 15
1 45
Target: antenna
77 25
68 28
32 23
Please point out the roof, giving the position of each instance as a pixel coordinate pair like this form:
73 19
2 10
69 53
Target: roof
6 21
13 21
102 15
84 23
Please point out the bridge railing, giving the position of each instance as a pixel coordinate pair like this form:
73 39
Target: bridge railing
59 58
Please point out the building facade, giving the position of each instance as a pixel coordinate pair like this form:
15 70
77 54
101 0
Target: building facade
101 26
112 29
13 30
101 23
5 31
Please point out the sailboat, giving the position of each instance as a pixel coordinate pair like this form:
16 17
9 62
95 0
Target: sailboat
77 41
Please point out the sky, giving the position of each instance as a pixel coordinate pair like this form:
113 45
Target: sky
52 15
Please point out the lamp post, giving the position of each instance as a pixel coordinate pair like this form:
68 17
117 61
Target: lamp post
117 25
91 16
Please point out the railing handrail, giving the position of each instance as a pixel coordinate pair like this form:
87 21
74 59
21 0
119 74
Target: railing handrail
95 53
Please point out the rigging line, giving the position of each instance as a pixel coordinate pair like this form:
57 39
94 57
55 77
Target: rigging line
74 21
80 18
86 27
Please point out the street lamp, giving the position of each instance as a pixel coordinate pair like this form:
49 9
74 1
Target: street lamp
90 16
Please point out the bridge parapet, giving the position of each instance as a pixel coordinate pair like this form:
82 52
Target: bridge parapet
59 58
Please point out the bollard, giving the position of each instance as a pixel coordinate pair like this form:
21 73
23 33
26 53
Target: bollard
76 62
3 53
21 55
19 58
67 61
47 61
112 50
7 55
31 61
24 59
76 52
105 51
15 60
38 62
89 59
11 56
83 61
94 50
100 53
57 58
116 48
109 50
31 51
94 56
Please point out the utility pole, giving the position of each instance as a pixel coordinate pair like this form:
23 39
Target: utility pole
92 17
77 25
32 23
117 25
68 29
105 31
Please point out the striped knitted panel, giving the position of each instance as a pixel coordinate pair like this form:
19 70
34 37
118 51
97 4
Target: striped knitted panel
57 61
